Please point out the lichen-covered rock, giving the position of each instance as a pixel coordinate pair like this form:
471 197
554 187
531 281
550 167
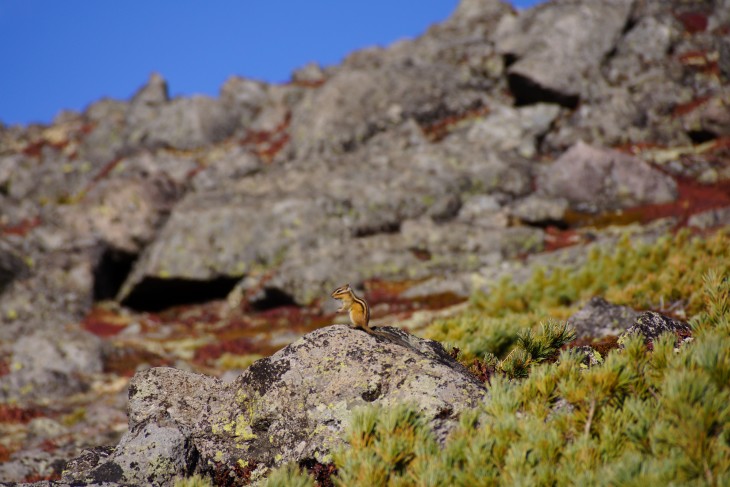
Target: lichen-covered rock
292 406
650 325
598 318
155 452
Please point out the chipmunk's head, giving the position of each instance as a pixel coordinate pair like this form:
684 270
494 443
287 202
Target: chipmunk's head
341 291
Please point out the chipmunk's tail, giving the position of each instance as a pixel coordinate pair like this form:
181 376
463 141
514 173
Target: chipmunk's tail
393 338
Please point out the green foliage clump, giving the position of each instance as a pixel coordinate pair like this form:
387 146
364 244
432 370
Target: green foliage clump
289 476
194 481
655 415
644 276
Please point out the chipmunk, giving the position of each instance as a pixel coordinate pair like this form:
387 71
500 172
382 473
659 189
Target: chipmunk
360 313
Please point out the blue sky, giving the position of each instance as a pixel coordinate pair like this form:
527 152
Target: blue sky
66 54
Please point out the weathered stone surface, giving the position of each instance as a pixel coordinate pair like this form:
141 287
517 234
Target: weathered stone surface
301 221
557 45
156 453
650 325
507 128
292 406
354 105
51 364
710 218
539 209
183 123
598 319
596 179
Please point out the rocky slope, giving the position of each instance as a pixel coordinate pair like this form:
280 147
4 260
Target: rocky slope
203 233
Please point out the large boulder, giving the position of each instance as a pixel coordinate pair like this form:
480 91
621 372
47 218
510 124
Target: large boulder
292 406
596 179
559 45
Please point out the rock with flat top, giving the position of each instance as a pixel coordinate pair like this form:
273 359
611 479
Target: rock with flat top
292 406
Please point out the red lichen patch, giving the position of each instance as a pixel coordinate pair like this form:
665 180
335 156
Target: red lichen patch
5 453
693 22
102 174
266 144
4 367
33 149
15 414
104 322
693 198
235 475
685 108
322 472
48 445
289 317
381 291
21 229
36 477
556 238
602 346
438 129
700 61
126 360
210 352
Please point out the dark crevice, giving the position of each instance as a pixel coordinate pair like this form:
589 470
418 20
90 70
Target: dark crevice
701 136
155 294
273 298
526 92
559 224
509 59
367 231
110 273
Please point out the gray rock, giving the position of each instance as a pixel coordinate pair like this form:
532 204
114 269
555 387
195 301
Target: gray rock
598 319
292 406
356 104
297 222
558 45
650 325
539 209
155 452
506 128
717 217
244 99
47 364
122 213
183 123
711 118
596 179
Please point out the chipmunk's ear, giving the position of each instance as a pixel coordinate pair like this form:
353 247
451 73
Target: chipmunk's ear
347 286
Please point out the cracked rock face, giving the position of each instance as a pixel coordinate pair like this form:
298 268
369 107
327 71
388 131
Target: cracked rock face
292 406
